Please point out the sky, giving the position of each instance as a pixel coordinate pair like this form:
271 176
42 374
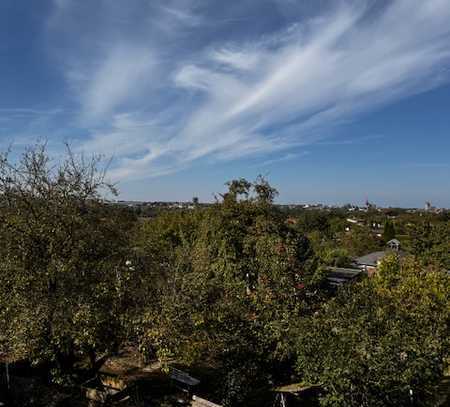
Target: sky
333 101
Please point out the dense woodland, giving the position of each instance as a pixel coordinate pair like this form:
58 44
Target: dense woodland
236 288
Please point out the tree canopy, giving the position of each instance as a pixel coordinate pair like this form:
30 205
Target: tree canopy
382 342
63 259
235 288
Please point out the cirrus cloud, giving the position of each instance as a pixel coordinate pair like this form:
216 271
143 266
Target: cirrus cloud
163 89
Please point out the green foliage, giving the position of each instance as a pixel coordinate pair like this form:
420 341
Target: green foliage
380 340
63 260
430 243
360 241
309 221
389 231
327 252
234 286
336 257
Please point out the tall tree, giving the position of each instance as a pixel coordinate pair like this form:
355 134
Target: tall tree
389 231
233 290
63 259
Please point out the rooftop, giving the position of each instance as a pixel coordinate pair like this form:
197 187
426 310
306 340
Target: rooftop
338 276
373 258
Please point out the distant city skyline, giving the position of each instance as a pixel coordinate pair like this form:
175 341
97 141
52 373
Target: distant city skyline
312 205
333 101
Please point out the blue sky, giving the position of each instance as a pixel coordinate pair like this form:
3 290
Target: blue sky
332 100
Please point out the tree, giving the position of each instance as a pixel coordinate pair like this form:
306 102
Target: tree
382 342
389 231
234 286
314 221
336 258
430 243
360 241
64 253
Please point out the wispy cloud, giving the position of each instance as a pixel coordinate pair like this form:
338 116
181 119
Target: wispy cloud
120 77
29 111
282 158
159 98
182 15
351 141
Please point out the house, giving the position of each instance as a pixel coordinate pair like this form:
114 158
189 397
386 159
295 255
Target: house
370 262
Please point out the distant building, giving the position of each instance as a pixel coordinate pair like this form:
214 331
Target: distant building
368 205
355 221
431 208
